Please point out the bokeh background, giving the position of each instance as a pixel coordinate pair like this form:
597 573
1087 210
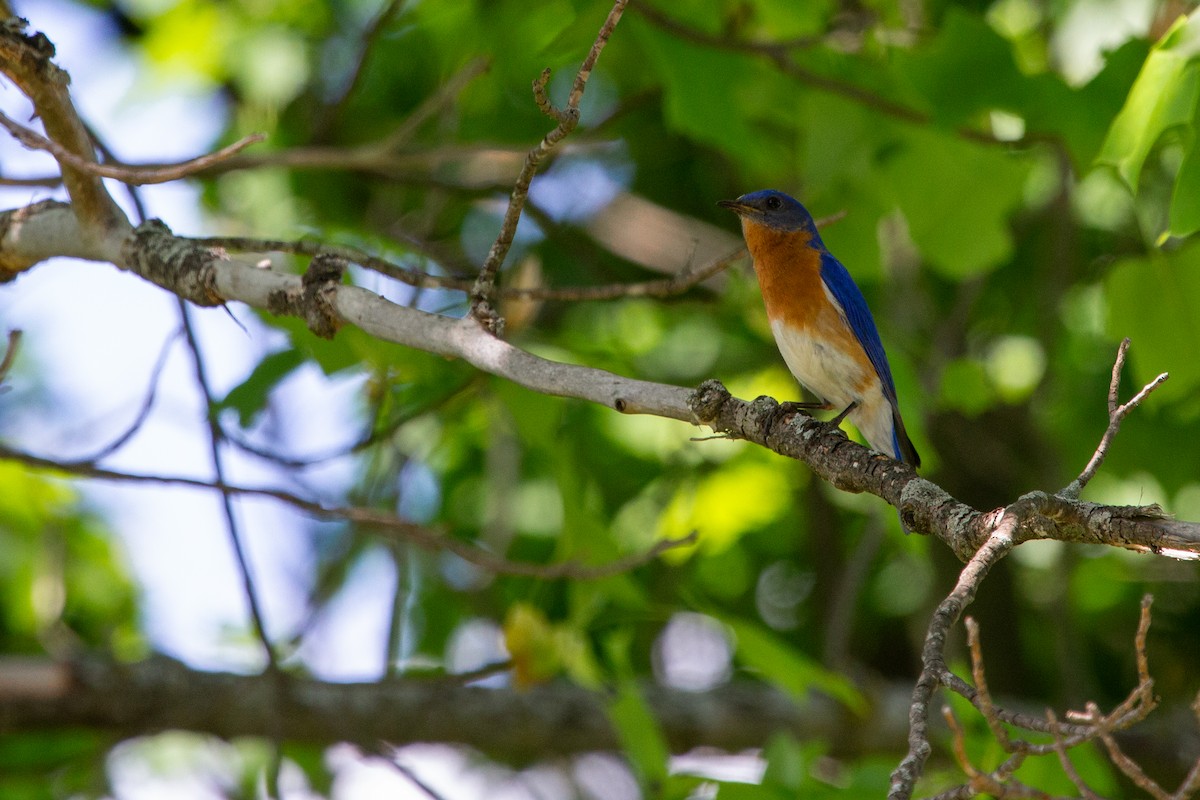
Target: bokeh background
1011 196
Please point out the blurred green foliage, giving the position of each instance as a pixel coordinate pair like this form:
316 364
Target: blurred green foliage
1008 220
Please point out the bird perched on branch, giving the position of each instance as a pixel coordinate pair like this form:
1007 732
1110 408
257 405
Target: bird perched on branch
821 322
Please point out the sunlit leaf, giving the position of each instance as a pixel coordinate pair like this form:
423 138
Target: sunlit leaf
957 198
789 668
1153 301
1164 96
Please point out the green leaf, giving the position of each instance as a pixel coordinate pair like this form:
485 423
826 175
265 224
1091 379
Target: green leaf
705 96
965 387
965 45
250 396
786 767
641 738
957 197
788 668
1155 301
1163 97
1184 217
787 19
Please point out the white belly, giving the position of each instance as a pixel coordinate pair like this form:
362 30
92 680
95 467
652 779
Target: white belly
839 380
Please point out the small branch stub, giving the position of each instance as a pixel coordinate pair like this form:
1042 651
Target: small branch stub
314 300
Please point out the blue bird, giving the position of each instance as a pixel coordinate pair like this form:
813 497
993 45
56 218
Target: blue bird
820 320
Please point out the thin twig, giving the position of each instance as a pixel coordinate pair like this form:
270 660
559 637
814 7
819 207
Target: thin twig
137 175
375 434
1116 413
780 54
423 537
1064 758
10 354
676 284
998 545
215 439
979 675
367 41
415 779
135 194
1128 766
147 404
257 618
483 292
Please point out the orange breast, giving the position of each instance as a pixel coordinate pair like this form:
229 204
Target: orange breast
789 274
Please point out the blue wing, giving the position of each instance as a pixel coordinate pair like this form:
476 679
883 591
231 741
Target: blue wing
847 293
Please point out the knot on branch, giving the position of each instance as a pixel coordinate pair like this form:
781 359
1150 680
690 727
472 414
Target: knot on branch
30 53
177 265
313 302
39 46
485 313
708 400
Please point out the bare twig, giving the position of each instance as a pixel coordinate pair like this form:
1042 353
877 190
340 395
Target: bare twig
997 783
257 618
367 41
375 434
10 354
1127 765
1086 726
998 545
215 439
482 293
147 404
137 175
393 526
1117 412
1064 758
389 754
979 675
676 284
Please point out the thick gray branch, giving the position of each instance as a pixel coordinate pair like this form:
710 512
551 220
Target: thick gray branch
926 507
26 60
37 232
207 277
508 725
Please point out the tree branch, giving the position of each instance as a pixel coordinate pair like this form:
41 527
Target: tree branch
933 656
482 294
25 60
208 277
1116 414
382 523
10 353
513 726
126 173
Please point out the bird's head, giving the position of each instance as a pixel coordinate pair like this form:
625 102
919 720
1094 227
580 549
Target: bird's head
772 209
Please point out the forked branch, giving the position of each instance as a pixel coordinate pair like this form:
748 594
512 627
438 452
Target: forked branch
484 290
1117 411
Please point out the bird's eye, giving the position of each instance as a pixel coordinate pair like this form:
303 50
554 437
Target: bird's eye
774 203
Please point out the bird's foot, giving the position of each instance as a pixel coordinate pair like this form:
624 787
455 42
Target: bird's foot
794 407
838 419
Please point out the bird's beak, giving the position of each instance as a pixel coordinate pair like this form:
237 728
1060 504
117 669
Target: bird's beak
735 206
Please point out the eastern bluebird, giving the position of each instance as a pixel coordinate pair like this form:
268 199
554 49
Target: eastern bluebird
820 319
